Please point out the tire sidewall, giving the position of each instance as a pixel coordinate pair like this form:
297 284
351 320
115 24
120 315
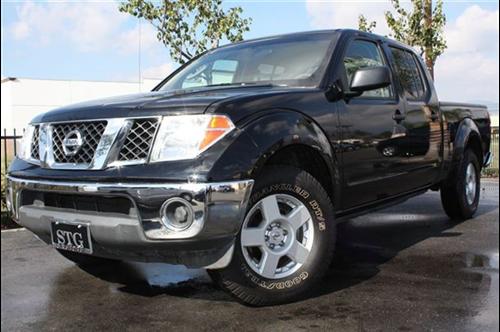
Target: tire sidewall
469 209
301 185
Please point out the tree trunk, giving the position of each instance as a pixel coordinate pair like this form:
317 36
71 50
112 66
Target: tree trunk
428 26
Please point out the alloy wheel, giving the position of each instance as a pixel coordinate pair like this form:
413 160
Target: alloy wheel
277 236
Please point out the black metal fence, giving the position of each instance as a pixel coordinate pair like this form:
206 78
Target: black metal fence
494 149
10 144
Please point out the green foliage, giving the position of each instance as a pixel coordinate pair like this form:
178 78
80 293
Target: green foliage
4 193
190 27
364 25
422 27
6 221
490 173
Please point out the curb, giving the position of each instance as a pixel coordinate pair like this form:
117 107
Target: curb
13 230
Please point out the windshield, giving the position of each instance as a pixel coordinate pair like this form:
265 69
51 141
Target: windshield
297 62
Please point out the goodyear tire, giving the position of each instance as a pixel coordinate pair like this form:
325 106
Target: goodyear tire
286 242
460 193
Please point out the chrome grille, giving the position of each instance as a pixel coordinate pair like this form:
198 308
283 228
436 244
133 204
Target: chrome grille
35 140
91 133
139 140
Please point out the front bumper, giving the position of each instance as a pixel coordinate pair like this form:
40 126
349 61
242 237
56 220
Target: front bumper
139 233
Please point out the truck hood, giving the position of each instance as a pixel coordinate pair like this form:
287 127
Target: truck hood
151 104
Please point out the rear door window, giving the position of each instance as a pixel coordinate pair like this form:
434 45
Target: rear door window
409 74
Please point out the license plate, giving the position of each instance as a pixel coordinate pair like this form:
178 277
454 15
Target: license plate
71 236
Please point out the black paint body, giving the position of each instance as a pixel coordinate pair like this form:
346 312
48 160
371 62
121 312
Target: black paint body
367 165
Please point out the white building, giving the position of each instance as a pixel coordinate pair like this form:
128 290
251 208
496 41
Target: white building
23 98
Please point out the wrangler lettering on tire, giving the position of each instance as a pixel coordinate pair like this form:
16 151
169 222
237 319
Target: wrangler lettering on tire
286 240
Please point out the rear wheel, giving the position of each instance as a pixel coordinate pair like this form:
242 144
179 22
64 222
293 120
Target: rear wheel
286 241
460 194
84 260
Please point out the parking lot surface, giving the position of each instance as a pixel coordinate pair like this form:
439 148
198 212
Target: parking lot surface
407 268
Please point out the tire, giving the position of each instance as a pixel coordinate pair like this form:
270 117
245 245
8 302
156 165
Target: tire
459 197
84 260
299 270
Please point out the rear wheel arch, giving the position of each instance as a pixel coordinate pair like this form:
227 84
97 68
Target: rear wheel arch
474 144
467 137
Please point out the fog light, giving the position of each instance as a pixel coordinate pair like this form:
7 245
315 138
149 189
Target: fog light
177 214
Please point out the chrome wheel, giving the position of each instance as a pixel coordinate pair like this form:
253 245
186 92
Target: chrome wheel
277 236
471 184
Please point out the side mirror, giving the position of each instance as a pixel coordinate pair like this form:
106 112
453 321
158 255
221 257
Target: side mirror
370 78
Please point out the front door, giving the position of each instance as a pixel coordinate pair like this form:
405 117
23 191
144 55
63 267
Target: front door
370 132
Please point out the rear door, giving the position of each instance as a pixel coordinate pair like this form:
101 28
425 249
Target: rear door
421 135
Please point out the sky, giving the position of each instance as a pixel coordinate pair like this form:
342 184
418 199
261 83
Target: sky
92 40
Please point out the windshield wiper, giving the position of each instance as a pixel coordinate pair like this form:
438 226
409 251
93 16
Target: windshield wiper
253 84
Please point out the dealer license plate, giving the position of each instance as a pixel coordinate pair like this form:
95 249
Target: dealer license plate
71 236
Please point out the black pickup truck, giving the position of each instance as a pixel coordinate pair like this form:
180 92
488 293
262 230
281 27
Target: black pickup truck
244 160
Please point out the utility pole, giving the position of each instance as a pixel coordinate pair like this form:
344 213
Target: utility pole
139 56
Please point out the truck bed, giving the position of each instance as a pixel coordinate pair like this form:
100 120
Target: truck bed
454 113
454 110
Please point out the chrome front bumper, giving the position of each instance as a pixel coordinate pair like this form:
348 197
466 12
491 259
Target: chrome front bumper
140 234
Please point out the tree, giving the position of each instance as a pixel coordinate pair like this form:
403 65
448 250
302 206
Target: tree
190 27
366 26
422 27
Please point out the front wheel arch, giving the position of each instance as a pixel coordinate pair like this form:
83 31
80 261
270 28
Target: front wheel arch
290 138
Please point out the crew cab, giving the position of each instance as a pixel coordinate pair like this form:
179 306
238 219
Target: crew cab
244 160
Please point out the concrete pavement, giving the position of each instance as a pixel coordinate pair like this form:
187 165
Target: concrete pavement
406 268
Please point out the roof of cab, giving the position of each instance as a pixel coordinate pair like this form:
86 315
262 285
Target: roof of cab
322 32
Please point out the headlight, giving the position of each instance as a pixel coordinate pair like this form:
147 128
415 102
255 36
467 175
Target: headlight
187 136
24 151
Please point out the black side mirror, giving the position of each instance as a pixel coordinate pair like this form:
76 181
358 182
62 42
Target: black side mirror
370 78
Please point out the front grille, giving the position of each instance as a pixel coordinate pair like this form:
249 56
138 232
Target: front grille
139 140
35 149
91 134
73 145
86 203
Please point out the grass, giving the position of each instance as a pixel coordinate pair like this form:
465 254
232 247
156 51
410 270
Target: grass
490 173
2 168
6 221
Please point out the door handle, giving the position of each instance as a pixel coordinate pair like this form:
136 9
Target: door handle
398 116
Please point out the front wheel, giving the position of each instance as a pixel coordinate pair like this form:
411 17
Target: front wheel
286 241
460 195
